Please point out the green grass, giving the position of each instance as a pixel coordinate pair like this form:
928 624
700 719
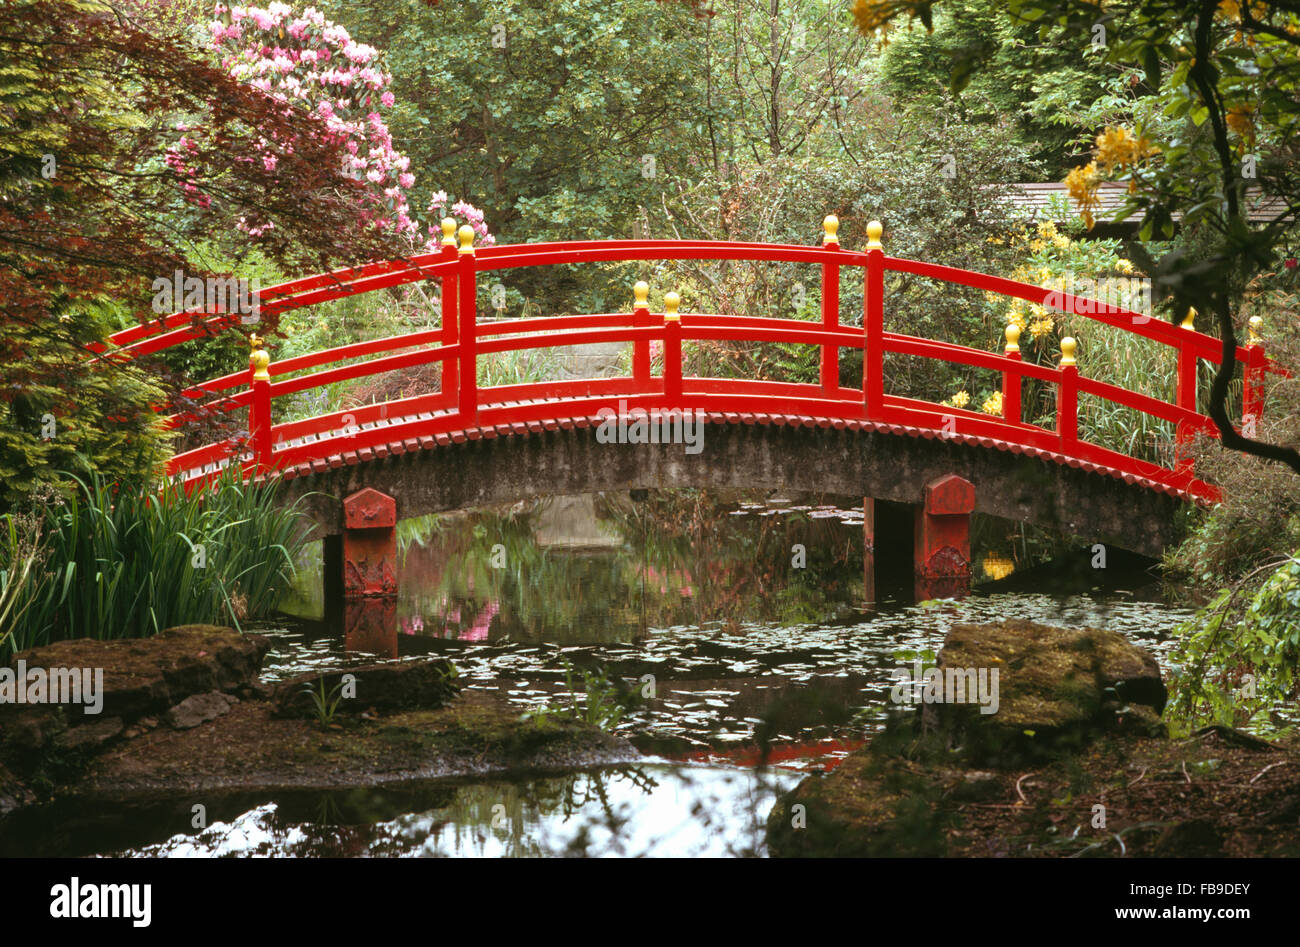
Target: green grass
105 564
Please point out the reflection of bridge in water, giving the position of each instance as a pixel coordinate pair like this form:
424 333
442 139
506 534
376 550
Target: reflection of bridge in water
463 446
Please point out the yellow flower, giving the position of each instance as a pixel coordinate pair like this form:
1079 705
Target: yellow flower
1124 266
1061 241
959 400
993 405
1040 327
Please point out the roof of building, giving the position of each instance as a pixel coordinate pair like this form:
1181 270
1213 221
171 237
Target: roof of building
1037 199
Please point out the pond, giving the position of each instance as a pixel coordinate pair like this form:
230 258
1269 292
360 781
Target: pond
731 627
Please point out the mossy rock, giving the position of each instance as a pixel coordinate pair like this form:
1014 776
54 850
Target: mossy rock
1056 688
425 684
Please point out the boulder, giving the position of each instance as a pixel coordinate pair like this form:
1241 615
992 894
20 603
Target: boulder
1056 687
146 676
198 709
425 684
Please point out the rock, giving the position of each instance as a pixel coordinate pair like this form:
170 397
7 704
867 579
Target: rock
198 709
1055 687
91 736
407 685
146 676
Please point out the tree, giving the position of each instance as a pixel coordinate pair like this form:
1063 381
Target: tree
91 214
1228 73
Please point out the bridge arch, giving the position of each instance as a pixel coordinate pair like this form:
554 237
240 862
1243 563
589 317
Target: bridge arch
789 453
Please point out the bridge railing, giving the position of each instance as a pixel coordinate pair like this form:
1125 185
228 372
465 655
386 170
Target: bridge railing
460 409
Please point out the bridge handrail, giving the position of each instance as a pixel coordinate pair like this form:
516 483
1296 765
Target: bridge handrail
461 338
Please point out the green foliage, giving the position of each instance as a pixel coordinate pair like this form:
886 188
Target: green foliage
127 564
1043 87
1238 662
324 704
600 705
63 411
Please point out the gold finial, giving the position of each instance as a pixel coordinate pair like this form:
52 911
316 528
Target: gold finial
1189 320
1255 324
260 360
448 232
671 302
830 227
467 239
1068 347
1013 338
874 230
641 292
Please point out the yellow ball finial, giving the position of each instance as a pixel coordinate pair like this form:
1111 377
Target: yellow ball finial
448 232
874 230
1013 338
260 360
1068 348
1255 325
1189 320
671 302
830 227
467 239
641 292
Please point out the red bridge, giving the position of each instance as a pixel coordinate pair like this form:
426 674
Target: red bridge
465 445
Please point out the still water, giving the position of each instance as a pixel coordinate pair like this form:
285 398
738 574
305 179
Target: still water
734 624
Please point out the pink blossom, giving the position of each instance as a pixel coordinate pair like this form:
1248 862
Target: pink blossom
387 100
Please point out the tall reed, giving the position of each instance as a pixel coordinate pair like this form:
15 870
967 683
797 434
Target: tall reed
127 564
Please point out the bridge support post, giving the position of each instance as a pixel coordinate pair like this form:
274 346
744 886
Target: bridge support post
1252 388
450 316
830 308
369 545
1185 397
941 546
869 550
873 325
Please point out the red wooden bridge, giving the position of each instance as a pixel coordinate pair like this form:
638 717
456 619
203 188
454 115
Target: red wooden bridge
462 412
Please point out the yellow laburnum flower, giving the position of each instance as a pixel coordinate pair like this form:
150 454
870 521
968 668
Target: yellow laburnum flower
993 405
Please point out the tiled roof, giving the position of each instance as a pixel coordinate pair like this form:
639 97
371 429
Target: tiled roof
1035 198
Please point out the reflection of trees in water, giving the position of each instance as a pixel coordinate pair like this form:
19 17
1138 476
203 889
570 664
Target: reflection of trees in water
684 559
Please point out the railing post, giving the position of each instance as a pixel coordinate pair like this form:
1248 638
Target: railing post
1067 397
1011 377
259 410
873 318
467 401
830 307
450 325
1252 389
1185 396
641 318
672 351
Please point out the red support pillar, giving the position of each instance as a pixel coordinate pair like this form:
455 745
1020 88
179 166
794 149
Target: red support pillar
1011 378
370 626
830 308
1185 397
873 325
467 400
641 319
941 542
1067 398
259 409
672 351
450 320
1252 389
369 545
